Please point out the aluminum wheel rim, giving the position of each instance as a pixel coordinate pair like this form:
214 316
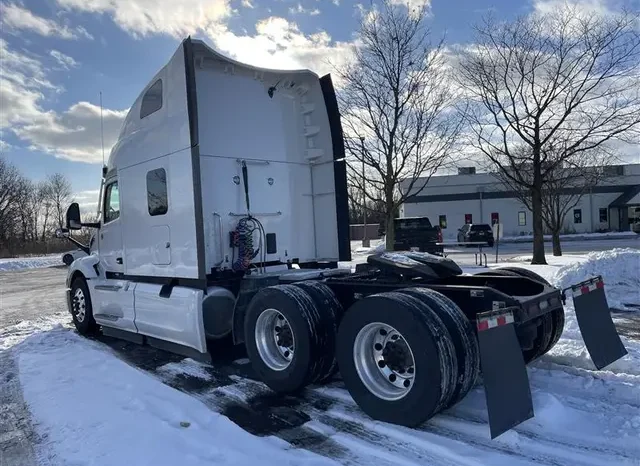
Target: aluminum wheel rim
382 376
274 339
79 305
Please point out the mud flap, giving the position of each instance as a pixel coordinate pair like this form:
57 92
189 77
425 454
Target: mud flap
506 383
596 325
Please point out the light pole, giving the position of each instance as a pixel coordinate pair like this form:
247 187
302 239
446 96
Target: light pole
365 240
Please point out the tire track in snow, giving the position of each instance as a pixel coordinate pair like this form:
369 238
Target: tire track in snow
326 421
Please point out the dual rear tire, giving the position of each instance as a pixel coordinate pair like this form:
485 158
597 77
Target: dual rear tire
546 331
290 333
432 330
403 355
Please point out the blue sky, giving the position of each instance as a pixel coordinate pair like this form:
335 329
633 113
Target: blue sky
56 56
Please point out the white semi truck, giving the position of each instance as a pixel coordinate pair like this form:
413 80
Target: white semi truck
224 212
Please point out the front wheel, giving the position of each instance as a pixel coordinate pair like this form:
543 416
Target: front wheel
81 308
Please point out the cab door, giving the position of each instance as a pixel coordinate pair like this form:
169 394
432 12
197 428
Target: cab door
112 293
111 251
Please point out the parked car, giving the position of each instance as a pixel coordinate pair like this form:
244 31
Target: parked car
476 233
416 234
69 256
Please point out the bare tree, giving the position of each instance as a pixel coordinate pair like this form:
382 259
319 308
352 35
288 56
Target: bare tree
12 187
396 94
58 193
560 85
563 187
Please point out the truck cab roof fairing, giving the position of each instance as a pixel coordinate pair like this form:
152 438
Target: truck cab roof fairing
200 53
201 49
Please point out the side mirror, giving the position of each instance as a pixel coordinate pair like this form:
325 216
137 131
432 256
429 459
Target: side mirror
73 217
62 233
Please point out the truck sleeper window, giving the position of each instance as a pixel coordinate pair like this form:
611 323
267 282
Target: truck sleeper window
152 100
111 203
157 199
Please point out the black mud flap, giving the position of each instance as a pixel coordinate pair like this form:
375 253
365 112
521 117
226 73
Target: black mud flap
506 383
596 325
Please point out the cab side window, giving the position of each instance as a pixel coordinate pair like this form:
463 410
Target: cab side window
111 203
152 100
157 199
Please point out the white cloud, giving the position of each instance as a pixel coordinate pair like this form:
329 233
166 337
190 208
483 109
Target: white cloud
412 4
17 18
177 18
299 9
336 2
65 61
248 4
279 43
599 7
73 134
4 146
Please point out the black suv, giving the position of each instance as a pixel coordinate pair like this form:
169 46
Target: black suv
476 233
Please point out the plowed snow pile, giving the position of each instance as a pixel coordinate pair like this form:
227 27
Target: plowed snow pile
620 270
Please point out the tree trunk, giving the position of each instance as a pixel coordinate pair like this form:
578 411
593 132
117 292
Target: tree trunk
538 231
390 230
557 250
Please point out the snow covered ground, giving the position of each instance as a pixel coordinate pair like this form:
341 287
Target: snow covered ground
103 402
574 236
20 263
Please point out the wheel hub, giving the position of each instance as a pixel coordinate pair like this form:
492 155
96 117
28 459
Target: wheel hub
384 361
79 305
274 339
397 356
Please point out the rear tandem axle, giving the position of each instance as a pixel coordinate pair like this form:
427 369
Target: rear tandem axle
410 334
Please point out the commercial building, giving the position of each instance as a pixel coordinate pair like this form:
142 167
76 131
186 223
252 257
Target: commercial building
470 197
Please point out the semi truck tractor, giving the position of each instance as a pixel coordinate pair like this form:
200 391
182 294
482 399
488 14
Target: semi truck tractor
223 214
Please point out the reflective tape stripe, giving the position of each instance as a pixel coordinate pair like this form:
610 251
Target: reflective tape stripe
584 289
495 321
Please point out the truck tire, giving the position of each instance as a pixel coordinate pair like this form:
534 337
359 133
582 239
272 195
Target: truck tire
462 334
526 273
81 308
556 317
396 358
288 338
327 303
550 325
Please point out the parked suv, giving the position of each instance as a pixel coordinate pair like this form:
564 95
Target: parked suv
476 233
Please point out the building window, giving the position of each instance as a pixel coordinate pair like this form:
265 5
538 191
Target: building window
577 215
442 220
152 100
604 215
522 218
468 218
157 199
111 203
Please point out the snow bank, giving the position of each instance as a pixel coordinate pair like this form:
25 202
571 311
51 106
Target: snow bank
20 263
620 270
97 409
377 245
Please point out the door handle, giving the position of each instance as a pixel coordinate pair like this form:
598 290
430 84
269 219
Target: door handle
118 260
